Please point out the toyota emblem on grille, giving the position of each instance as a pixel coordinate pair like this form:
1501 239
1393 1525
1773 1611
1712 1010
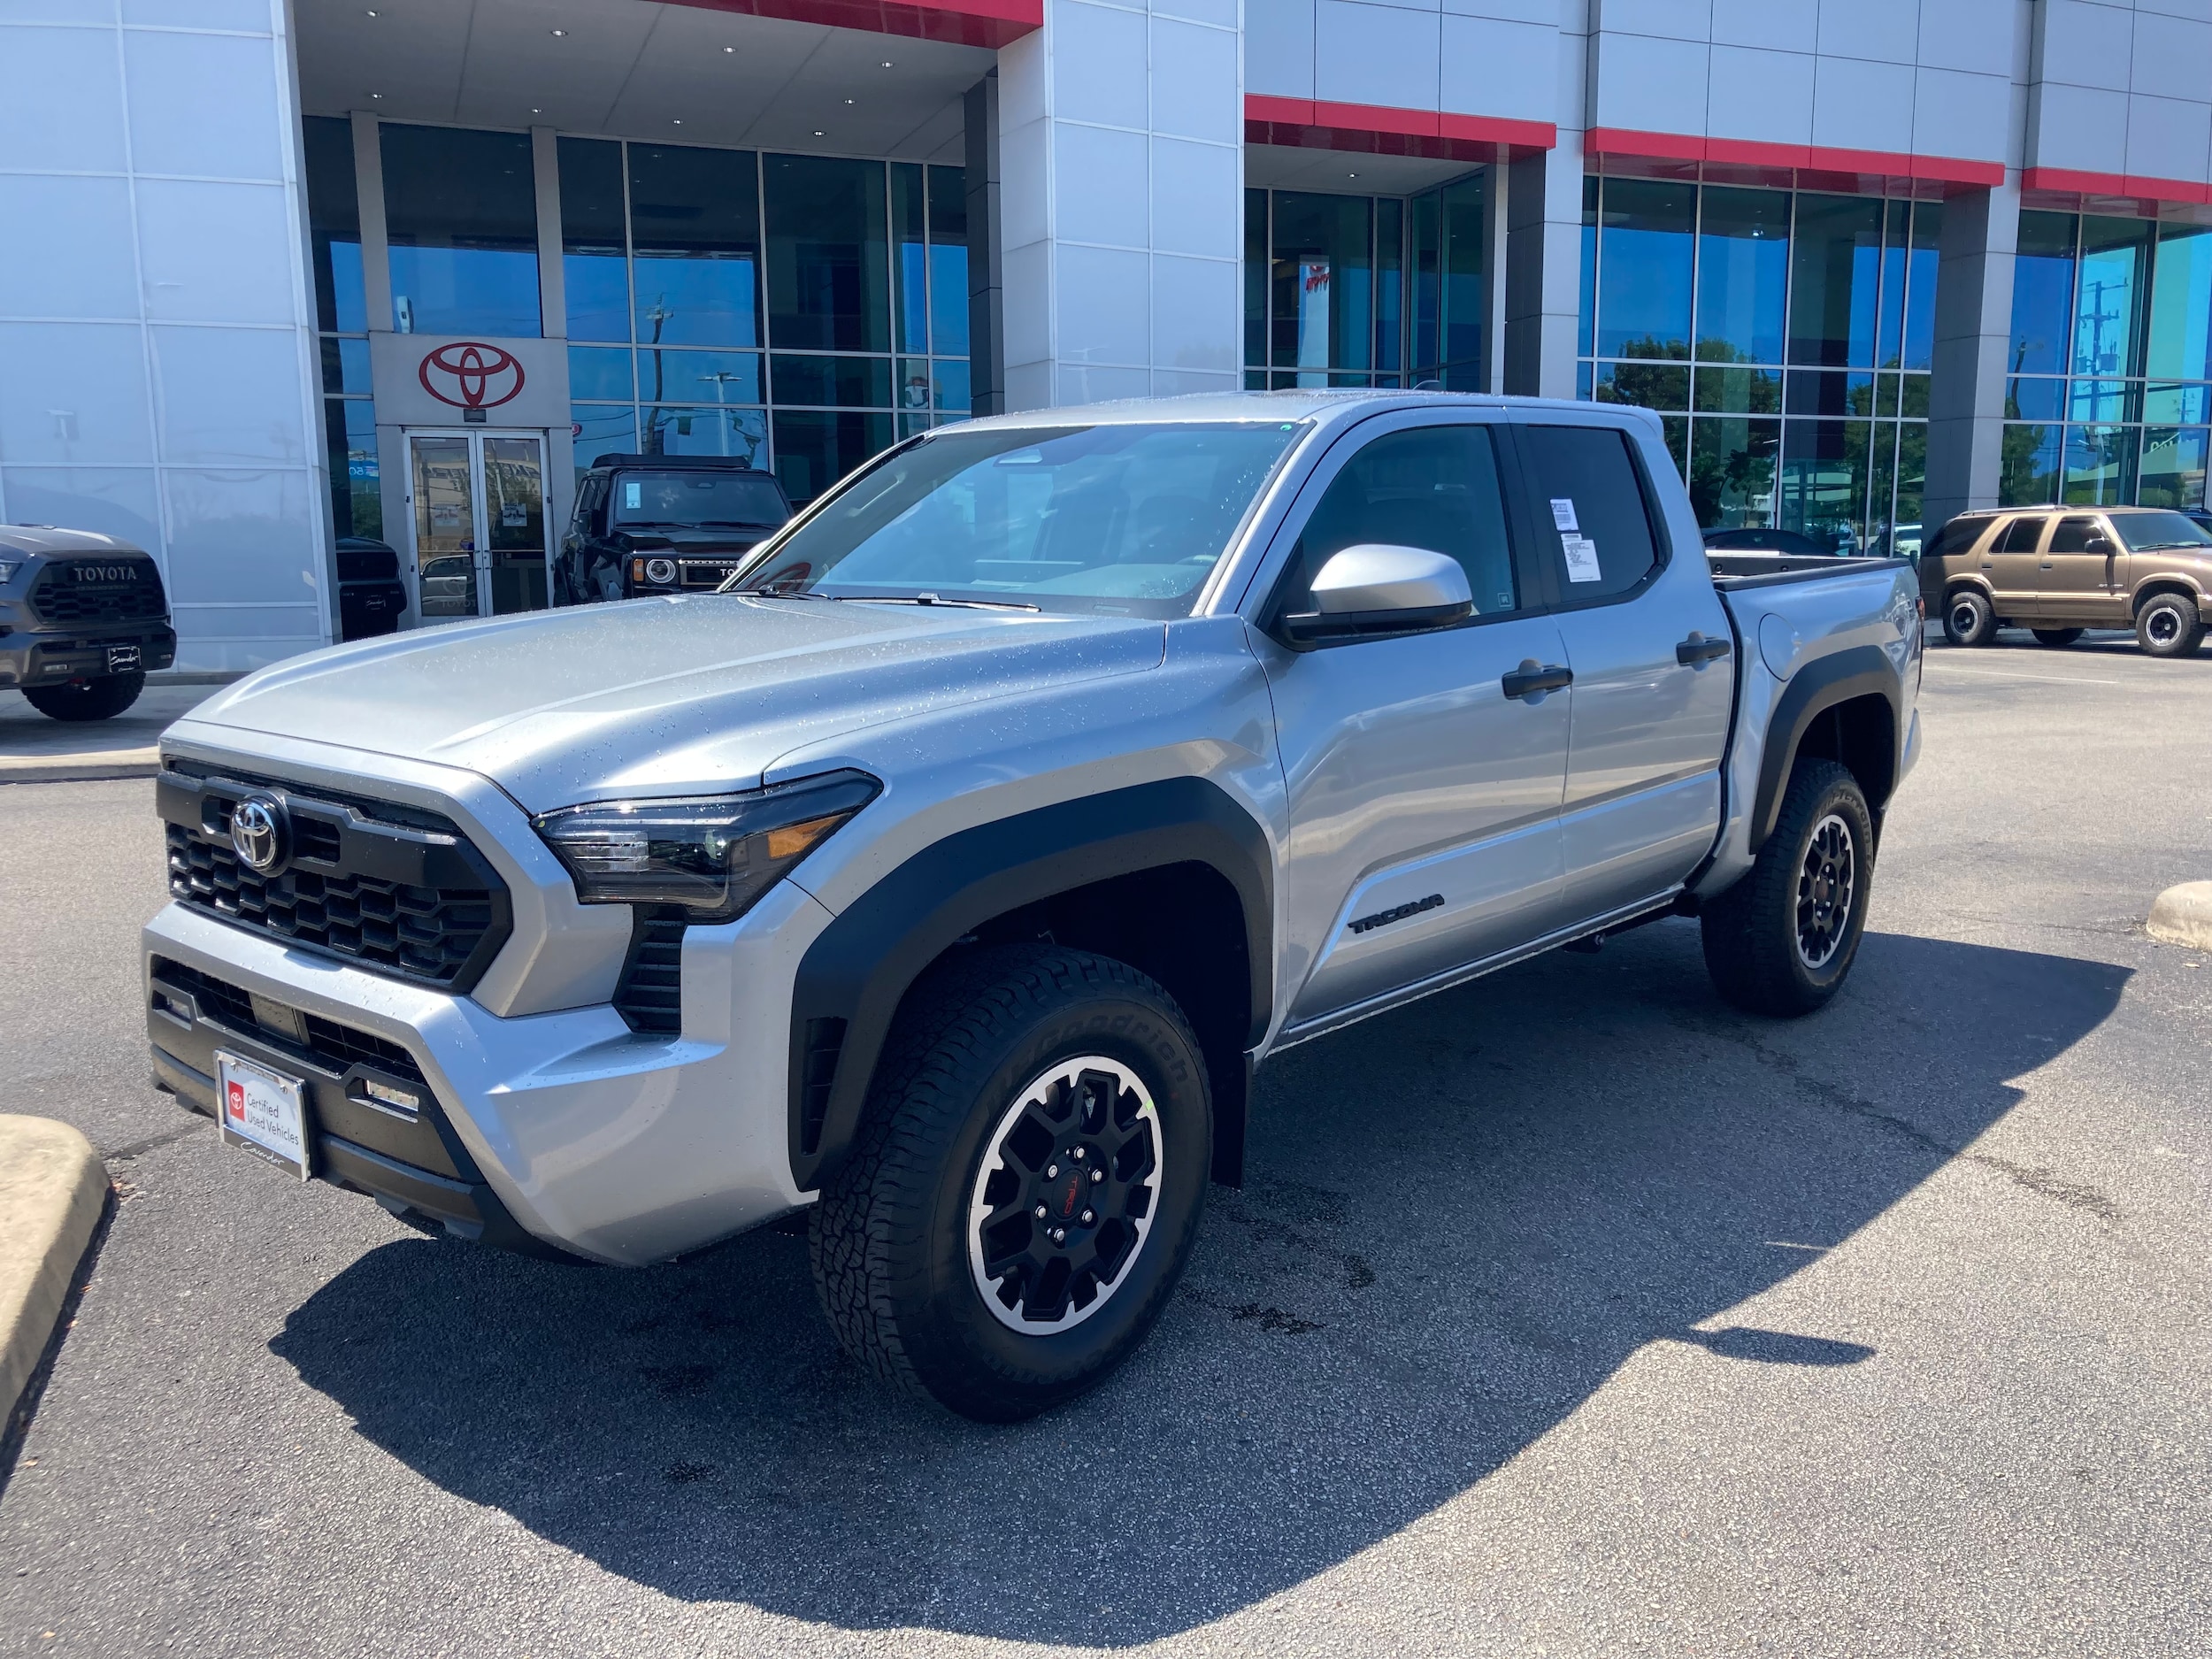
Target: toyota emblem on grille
258 832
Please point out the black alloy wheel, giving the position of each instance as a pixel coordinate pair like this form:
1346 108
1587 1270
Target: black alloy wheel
2168 626
1026 1186
1969 619
1827 885
1782 941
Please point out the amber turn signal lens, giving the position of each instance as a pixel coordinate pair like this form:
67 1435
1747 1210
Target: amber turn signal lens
793 840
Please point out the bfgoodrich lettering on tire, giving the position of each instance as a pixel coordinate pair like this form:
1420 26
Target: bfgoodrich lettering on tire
1026 1186
1782 941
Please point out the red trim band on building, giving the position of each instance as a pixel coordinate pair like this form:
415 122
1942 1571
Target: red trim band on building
2066 180
1616 141
1375 129
961 22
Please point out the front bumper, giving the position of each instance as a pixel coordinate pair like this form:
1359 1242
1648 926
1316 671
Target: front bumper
564 1129
55 659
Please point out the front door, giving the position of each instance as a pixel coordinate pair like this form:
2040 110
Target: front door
1423 801
2080 573
2011 566
476 504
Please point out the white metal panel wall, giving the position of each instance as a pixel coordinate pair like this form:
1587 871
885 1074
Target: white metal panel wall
1122 201
157 339
2124 87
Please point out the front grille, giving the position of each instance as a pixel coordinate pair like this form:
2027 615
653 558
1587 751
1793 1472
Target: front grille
398 890
58 596
422 932
335 1047
649 994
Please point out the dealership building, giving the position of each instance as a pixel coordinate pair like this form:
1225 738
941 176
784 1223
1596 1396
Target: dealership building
281 273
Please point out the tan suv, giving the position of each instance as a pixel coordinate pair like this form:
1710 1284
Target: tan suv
2059 571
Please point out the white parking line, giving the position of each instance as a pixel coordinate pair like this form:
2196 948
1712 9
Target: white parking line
2012 673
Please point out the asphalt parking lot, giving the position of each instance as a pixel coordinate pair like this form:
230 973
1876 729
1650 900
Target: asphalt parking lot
1568 1313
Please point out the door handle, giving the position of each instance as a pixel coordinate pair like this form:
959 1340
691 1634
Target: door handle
1697 648
2046 565
1533 676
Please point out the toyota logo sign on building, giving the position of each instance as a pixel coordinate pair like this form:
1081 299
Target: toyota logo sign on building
468 374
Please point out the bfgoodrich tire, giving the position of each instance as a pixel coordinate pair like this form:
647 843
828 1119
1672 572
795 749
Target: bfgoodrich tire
1967 618
98 700
1026 1184
2167 626
1782 941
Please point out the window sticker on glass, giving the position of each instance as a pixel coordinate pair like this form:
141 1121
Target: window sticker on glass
1582 558
633 494
1562 515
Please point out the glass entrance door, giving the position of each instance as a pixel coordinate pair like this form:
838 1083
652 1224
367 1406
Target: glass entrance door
478 513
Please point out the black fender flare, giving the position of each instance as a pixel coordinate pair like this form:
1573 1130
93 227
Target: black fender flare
853 977
1858 671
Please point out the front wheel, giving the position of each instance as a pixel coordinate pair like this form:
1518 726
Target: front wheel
1782 941
94 700
1026 1183
1967 618
2167 626
2057 637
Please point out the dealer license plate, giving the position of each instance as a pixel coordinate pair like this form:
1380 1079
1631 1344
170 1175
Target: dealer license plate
123 659
262 1113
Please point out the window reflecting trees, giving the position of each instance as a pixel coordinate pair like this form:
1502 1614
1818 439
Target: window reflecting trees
2110 395
1785 337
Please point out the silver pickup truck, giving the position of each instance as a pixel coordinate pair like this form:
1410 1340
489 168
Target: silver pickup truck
946 876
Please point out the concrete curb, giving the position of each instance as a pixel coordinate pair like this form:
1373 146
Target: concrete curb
95 767
2183 915
52 1189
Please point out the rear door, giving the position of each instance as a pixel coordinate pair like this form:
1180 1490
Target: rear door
2079 574
1648 642
1424 799
2012 566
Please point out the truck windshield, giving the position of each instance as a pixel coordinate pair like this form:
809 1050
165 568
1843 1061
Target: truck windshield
2141 530
697 498
1119 519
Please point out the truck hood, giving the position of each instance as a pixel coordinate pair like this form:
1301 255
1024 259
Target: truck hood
690 695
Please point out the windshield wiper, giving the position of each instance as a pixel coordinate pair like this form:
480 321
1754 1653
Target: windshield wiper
773 592
2154 547
737 524
931 599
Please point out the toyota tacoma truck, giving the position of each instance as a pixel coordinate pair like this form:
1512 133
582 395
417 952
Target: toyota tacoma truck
83 620
946 876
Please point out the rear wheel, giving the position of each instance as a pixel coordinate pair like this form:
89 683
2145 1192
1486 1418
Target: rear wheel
2059 636
2167 626
1967 618
1782 941
1026 1183
90 699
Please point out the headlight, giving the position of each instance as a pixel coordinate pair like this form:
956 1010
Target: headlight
8 568
713 855
662 571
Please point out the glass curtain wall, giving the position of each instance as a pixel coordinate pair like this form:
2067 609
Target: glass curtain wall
333 224
2109 397
1785 337
461 215
800 312
1362 290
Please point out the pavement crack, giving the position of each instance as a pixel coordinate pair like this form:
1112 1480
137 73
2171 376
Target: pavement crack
2074 1194
139 1149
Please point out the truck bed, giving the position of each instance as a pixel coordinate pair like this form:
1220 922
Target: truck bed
1733 571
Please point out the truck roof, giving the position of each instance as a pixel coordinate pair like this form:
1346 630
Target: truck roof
1289 403
30 540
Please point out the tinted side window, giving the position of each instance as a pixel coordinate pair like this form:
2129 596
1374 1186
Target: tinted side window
2022 536
2072 534
1435 488
1590 510
1958 536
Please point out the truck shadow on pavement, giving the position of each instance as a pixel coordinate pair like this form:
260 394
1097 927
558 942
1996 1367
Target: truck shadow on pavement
1461 1219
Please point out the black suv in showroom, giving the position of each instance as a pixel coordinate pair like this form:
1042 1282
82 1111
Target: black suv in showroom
663 524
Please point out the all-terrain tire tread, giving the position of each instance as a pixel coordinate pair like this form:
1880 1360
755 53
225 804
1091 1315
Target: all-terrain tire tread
941 1047
1749 962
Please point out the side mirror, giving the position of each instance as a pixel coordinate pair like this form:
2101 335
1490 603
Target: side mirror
2100 544
1373 588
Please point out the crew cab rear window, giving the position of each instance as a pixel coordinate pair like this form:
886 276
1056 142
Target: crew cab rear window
1590 510
2022 536
1435 488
